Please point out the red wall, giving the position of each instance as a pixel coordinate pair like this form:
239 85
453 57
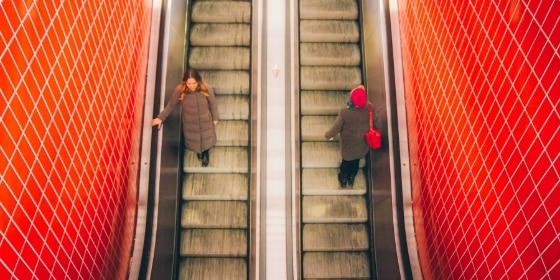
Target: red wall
482 88
72 83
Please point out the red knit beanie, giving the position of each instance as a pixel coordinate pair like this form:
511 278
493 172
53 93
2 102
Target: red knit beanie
358 97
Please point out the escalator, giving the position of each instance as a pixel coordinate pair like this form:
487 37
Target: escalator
222 230
214 208
335 222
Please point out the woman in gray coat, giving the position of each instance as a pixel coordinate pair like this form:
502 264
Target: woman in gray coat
199 114
352 123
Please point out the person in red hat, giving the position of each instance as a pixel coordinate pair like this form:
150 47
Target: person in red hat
352 123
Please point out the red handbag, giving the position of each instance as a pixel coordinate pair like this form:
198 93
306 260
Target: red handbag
373 135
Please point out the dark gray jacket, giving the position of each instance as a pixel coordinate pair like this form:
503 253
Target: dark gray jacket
197 114
352 124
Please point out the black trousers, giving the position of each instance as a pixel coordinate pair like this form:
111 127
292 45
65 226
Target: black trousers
349 169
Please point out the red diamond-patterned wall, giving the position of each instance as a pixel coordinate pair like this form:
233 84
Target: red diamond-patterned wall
482 90
72 93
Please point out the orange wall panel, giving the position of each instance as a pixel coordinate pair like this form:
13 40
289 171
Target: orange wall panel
72 87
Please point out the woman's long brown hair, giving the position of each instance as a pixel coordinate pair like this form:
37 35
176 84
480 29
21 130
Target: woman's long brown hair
192 73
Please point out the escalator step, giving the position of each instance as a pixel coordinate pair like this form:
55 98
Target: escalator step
214 214
232 133
227 81
333 31
350 265
220 58
233 107
221 11
323 102
215 186
334 209
330 78
323 181
213 268
213 243
313 128
220 34
328 9
335 237
329 54
222 160
322 155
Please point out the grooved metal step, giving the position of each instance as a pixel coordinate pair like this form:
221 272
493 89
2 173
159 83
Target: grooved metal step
329 54
330 78
227 82
232 132
220 34
334 209
322 155
213 268
213 243
328 9
329 31
215 186
233 107
220 58
221 11
335 237
336 265
214 214
323 181
322 102
313 128
222 160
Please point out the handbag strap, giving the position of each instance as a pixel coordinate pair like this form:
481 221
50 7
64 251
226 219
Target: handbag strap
370 116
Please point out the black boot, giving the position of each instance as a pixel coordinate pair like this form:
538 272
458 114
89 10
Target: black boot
199 156
350 180
351 177
205 158
342 180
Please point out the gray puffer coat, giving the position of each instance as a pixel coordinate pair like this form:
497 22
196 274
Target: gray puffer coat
198 113
352 124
